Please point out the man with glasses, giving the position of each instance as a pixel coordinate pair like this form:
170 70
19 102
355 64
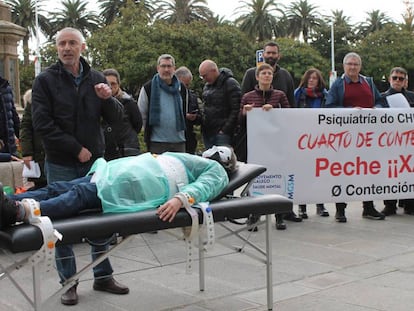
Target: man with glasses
160 102
353 90
398 80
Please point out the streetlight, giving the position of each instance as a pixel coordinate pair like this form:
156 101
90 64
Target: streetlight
332 75
38 61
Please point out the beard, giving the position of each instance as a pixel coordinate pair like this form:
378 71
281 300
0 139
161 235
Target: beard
271 61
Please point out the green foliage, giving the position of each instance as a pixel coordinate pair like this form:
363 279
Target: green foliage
27 74
297 57
132 45
384 49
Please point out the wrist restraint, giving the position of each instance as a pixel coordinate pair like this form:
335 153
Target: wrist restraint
49 234
205 234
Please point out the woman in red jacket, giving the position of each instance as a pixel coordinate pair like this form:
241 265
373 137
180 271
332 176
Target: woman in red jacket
266 97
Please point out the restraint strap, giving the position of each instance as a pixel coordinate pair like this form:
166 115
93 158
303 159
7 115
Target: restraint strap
49 234
208 225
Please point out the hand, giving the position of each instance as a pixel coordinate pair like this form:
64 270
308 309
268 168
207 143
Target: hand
267 107
103 90
26 161
169 209
246 108
191 116
14 158
84 155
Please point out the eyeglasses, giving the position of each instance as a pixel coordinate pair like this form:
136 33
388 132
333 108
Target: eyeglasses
395 78
166 66
203 76
353 64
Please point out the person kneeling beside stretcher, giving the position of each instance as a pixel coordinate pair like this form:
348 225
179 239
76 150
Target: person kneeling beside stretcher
130 184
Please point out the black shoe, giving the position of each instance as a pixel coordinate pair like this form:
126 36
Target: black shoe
302 212
371 213
280 223
70 297
340 214
292 217
8 210
389 210
110 286
321 210
251 220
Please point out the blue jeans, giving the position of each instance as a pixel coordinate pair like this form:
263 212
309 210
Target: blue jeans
65 258
217 140
64 199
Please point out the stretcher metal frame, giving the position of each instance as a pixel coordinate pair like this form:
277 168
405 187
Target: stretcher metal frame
25 237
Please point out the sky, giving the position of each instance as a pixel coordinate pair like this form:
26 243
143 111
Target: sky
355 9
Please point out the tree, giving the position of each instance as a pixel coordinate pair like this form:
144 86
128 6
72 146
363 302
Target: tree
386 48
24 14
110 9
132 46
344 37
183 11
257 19
303 19
297 57
408 16
376 20
74 14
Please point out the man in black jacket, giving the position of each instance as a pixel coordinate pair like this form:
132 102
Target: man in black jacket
221 98
398 80
282 80
68 101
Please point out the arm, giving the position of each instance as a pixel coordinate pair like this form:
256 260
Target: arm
333 99
207 178
249 81
233 96
16 121
289 92
135 118
379 101
143 105
284 103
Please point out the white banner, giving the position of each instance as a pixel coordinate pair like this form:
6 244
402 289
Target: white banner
333 155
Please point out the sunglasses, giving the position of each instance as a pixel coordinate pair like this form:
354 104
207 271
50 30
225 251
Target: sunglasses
395 78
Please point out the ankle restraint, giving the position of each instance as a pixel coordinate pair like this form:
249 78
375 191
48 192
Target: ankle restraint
49 234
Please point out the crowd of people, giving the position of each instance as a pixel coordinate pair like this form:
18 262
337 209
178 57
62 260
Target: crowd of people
82 129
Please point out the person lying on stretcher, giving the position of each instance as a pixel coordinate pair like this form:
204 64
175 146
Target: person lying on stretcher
130 184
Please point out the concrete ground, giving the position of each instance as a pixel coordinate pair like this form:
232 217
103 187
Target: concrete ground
362 265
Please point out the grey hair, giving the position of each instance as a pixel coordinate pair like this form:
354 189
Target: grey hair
183 72
166 56
352 55
75 31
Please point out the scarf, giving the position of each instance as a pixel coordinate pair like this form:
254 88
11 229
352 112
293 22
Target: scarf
155 105
313 92
311 98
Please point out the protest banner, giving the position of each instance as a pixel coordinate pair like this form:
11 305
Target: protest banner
333 155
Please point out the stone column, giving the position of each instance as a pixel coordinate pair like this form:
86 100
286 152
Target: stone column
10 36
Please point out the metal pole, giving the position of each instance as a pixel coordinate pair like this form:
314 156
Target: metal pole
38 61
332 76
